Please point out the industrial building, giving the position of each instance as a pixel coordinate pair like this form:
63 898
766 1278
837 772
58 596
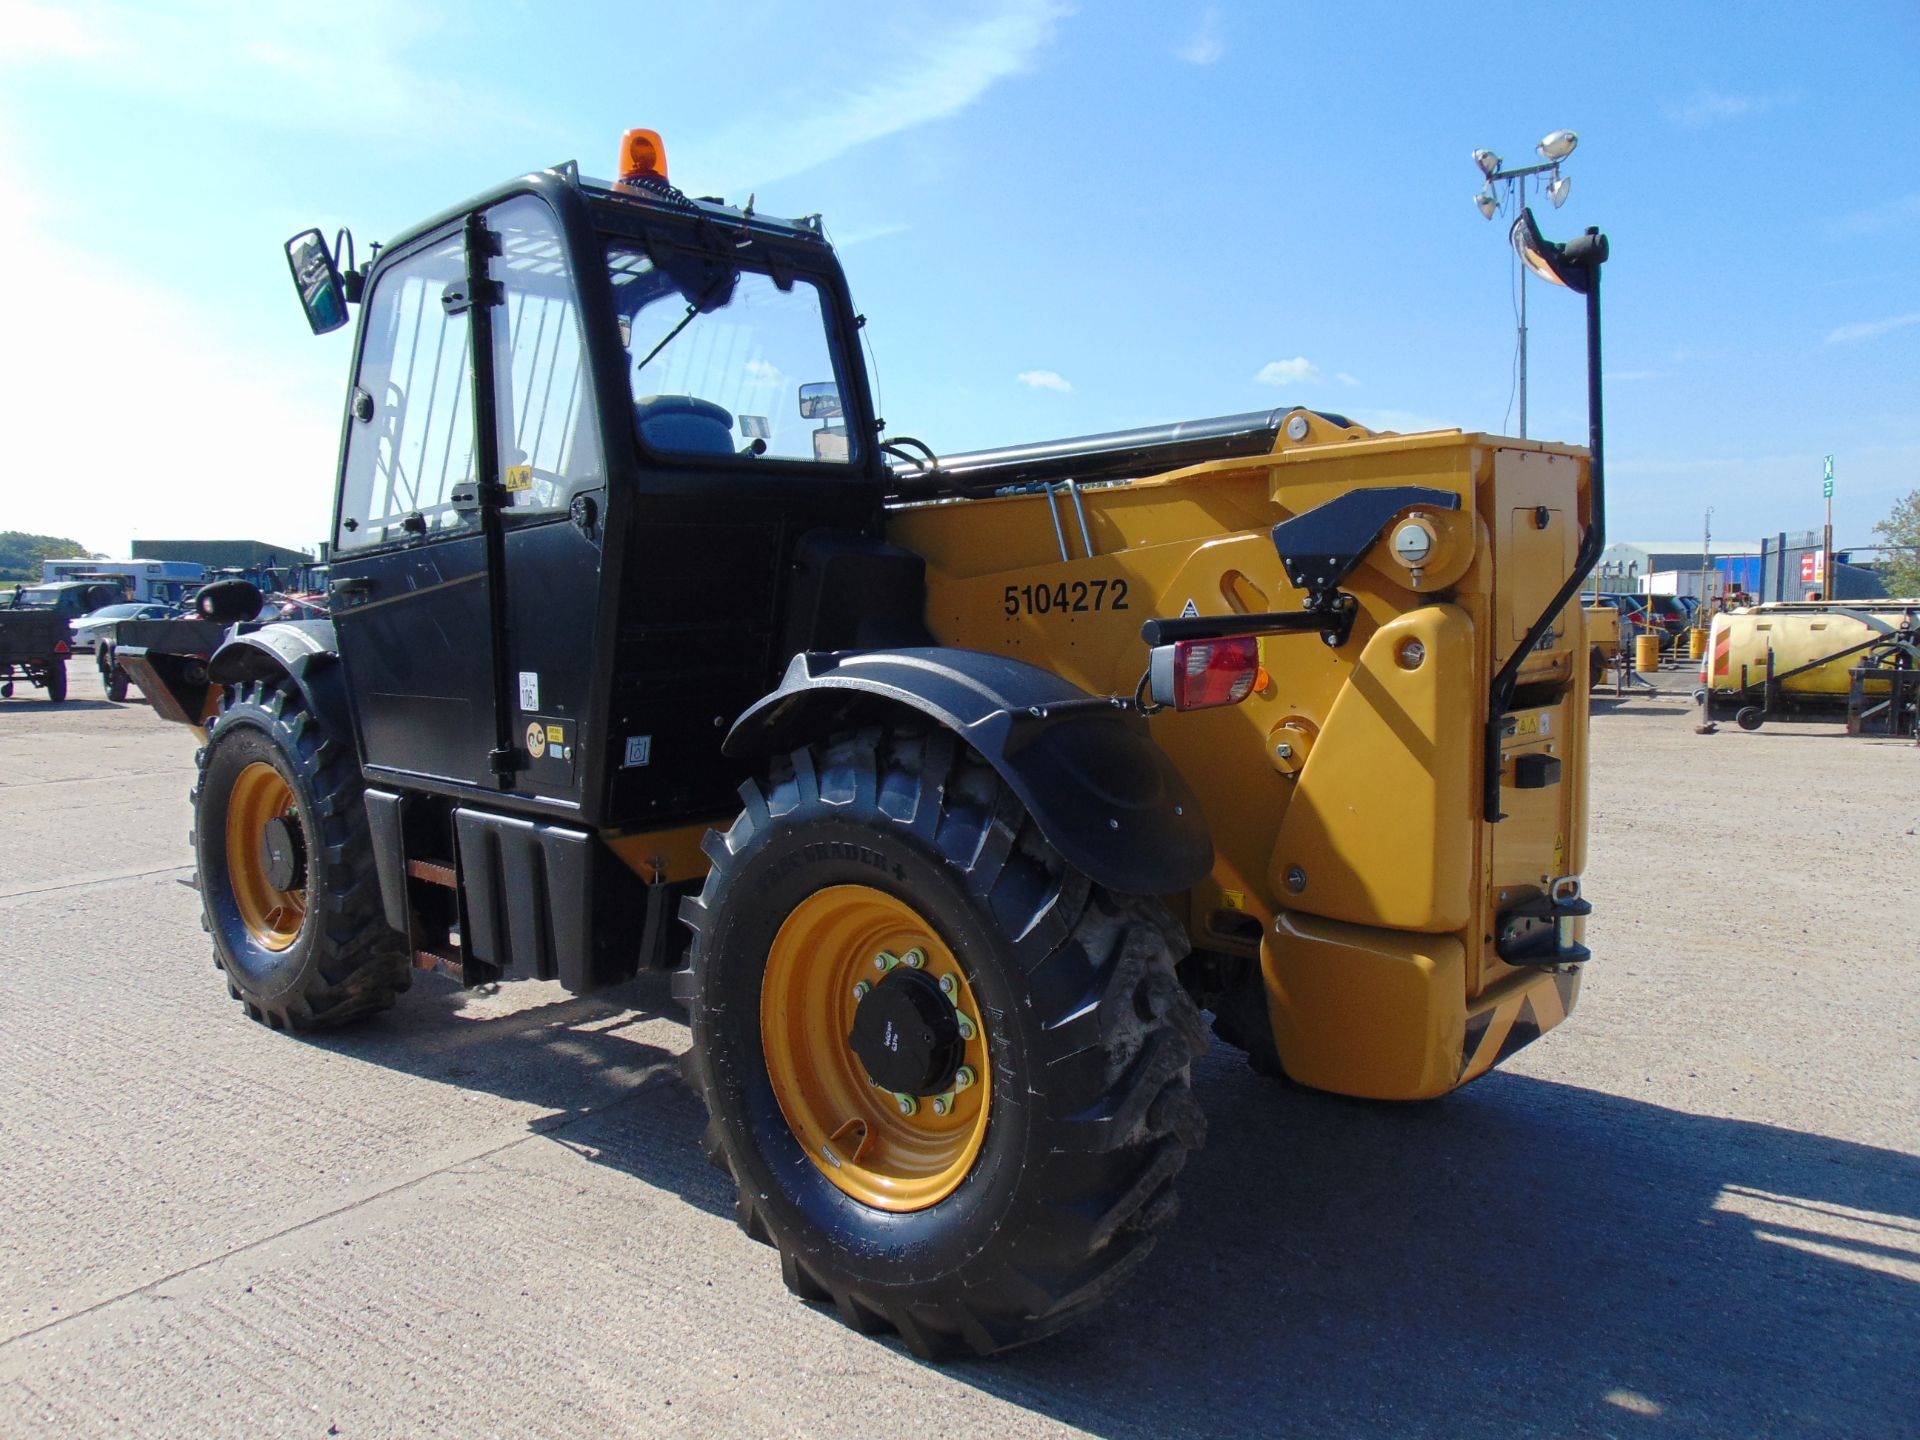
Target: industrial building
1783 566
221 554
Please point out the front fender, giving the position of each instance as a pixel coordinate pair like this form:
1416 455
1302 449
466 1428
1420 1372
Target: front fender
280 647
1103 794
301 650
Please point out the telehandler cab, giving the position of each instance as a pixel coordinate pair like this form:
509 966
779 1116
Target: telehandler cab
953 790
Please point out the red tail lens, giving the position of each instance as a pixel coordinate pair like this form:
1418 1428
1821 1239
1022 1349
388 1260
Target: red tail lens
1196 674
61 648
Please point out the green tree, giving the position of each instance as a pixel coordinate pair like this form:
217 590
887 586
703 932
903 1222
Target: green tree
21 553
1902 529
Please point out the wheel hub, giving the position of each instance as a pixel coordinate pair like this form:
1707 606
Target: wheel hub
907 1034
283 854
888 1095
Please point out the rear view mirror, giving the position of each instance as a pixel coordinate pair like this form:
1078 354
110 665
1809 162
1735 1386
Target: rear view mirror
830 444
820 401
322 294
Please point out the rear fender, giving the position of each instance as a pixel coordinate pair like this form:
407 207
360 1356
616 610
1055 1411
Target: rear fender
1103 794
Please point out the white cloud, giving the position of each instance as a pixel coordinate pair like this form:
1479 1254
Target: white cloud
1207 43
932 72
765 375
1872 329
1713 107
37 31
1346 379
347 67
1297 371
210 435
1893 215
1044 380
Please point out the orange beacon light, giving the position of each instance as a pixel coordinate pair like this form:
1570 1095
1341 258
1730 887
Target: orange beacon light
643 156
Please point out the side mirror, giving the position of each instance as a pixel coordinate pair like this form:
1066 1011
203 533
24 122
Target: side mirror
820 401
228 602
323 295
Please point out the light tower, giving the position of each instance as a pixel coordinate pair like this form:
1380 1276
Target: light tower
1552 150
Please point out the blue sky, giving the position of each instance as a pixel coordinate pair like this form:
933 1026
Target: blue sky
1059 219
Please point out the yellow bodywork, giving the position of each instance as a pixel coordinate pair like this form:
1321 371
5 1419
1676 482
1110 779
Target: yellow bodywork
1603 627
1353 861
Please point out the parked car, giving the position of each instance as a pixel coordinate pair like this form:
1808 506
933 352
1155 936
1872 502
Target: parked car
1669 614
88 632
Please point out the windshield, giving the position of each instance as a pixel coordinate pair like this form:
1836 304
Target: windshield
117 612
718 357
39 599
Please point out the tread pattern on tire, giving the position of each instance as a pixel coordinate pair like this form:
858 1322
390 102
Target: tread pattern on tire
1120 1035
362 964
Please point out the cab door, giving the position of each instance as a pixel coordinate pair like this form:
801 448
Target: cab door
551 500
411 582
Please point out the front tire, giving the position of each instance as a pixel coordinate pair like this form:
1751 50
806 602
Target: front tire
962 1229
56 680
286 866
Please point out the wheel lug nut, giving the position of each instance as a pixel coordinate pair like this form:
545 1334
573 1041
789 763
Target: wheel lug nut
966 1028
963 1077
915 957
939 1104
860 989
946 985
908 1105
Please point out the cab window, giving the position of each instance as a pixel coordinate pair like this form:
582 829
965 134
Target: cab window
410 440
728 362
546 424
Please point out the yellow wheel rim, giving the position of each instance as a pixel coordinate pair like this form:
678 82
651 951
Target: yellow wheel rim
272 916
852 1130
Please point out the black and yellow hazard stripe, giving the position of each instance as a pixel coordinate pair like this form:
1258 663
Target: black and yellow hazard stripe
1496 1033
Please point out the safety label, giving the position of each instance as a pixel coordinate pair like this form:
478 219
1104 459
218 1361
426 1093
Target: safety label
529 689
639 751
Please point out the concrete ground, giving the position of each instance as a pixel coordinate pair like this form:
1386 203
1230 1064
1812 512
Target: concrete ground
1692 1210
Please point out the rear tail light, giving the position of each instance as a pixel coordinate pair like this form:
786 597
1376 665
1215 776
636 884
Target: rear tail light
1196 674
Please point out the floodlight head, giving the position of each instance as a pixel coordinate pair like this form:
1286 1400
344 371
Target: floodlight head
1558 145
1559 190
1487 161
1487 202
1574 265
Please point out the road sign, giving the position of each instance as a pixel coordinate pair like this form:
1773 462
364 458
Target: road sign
1826 485
1813 567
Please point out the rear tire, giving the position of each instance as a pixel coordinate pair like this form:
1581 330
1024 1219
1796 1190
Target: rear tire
307 947
56 680
1089 1035
113 675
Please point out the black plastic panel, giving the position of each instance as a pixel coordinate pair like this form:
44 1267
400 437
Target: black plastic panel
1101 791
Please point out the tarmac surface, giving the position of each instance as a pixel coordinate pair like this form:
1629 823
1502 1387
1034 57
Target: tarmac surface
1694 1209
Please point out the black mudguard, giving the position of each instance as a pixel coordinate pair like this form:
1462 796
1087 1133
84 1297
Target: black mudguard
1104 795
287 647
302 650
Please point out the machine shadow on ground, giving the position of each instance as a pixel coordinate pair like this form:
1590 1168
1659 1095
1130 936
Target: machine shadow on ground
1523 1257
